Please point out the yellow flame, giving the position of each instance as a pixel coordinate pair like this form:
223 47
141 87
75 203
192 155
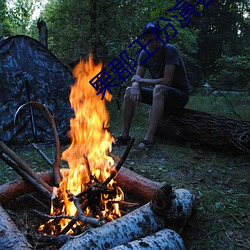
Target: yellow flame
89 134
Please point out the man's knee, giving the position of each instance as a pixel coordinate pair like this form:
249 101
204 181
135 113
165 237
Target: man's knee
159 90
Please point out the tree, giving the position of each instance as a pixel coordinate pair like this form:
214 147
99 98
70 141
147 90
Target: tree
224 32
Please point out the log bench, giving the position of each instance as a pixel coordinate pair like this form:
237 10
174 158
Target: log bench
211 131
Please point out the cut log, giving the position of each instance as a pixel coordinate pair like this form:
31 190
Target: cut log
150 218
140 187
163 239
212 131
10 237
131 182
18 187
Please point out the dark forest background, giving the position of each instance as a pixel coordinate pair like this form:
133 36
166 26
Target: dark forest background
215 45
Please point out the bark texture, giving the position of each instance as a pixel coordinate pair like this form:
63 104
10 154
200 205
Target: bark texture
163 239
10 237
167 209
140 187
212 131
18 187
43 32
131 182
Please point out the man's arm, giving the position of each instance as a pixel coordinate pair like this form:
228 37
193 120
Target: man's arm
135 93
167 79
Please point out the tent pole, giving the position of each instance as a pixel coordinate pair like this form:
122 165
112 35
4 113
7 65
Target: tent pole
33 125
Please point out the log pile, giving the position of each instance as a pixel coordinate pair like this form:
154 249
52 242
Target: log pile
166 209
212 131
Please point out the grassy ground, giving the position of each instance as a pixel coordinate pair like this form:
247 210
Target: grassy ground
219 180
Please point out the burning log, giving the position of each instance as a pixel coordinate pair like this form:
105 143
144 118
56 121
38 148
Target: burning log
163 239
167 209
10 237
216 132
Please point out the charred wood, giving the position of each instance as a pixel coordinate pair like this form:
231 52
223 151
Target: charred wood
140 187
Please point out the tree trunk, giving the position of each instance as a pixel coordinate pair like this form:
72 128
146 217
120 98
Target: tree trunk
43 32
10 237
212 131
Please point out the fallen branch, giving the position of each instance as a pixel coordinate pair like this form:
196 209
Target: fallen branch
42 154
18 187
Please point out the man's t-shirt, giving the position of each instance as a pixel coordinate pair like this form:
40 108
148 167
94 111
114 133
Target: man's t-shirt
170 56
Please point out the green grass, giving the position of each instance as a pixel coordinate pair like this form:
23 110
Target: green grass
233 106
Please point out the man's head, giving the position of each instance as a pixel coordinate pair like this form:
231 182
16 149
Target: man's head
151 28
151 32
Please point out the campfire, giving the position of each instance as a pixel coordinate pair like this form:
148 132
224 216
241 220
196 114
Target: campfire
87 188
87 198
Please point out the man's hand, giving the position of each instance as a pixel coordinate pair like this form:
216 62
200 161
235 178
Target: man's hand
136 78
135 93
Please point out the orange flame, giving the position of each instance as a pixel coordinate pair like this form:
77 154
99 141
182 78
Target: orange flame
90 139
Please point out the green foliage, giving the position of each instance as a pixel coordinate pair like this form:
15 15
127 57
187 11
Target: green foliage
232 72
214 46
224 37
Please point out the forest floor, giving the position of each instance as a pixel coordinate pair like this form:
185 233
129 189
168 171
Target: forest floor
219 180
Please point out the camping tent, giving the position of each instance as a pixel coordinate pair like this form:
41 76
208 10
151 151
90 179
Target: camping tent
29 71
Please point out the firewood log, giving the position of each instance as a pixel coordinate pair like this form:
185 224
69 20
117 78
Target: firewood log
131 182
137 185
10 237
166 208
163 239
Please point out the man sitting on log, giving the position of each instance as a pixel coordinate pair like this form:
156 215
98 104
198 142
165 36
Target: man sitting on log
168 90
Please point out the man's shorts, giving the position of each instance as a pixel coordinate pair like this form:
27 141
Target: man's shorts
175 99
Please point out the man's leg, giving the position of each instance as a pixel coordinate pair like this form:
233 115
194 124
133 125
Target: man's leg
127 113
156 112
